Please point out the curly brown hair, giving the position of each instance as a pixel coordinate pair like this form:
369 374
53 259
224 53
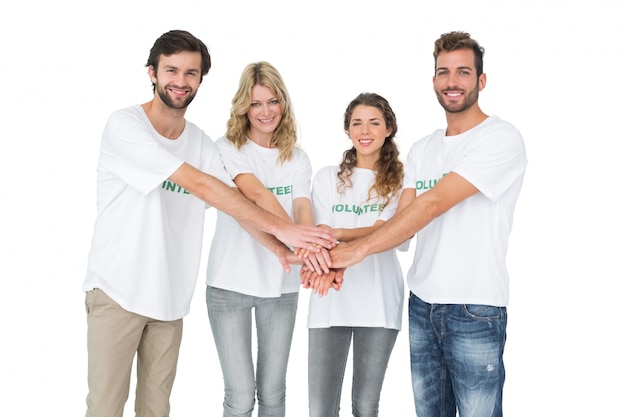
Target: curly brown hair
389 169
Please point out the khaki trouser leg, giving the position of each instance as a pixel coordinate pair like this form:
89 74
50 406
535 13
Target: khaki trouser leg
156 367
114 335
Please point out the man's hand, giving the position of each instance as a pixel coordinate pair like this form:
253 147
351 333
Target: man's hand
286 258
318 261
346 254
307 237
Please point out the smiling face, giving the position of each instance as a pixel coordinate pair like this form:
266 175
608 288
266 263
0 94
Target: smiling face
455 82
177 78
264 114
367 130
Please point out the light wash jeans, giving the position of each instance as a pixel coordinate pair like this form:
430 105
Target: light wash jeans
456 358
230 315
328 354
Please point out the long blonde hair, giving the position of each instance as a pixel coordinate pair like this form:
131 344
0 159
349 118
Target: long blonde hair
238 125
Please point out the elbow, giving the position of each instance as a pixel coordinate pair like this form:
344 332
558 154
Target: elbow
434 209
253 196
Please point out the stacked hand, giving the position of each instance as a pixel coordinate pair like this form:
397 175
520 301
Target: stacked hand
317 272
321 283
318 262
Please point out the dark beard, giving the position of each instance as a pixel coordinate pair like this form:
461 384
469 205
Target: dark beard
170 103
469 100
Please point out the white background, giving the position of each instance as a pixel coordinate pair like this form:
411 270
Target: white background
554 69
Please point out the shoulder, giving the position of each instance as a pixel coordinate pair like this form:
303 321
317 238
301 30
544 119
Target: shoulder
329 171
421 143
299 153
499 133
194 128
128 114
325 180
222 141
129 122
224 144
497 125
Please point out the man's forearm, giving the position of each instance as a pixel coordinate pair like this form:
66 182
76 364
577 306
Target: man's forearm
409 220
224 198
268 240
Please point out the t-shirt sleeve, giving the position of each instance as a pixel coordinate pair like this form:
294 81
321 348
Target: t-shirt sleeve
495 161
321 197
390 209
409 169
129 151
302 179
214 165
233 159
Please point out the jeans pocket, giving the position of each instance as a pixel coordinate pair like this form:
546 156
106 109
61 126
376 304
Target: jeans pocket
484 312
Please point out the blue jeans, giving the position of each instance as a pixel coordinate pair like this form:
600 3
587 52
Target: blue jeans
328 353
456 358
230 315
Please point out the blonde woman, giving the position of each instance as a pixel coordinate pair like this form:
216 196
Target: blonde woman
260 153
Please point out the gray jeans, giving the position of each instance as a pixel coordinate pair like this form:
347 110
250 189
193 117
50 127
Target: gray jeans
328 354
230 315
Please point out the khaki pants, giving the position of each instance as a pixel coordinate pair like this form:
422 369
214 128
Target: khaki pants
114 335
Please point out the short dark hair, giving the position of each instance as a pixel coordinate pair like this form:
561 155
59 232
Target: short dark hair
453 41
176 41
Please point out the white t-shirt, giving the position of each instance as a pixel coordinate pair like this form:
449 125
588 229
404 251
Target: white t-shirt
238 262
373 290
147 237
460 257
